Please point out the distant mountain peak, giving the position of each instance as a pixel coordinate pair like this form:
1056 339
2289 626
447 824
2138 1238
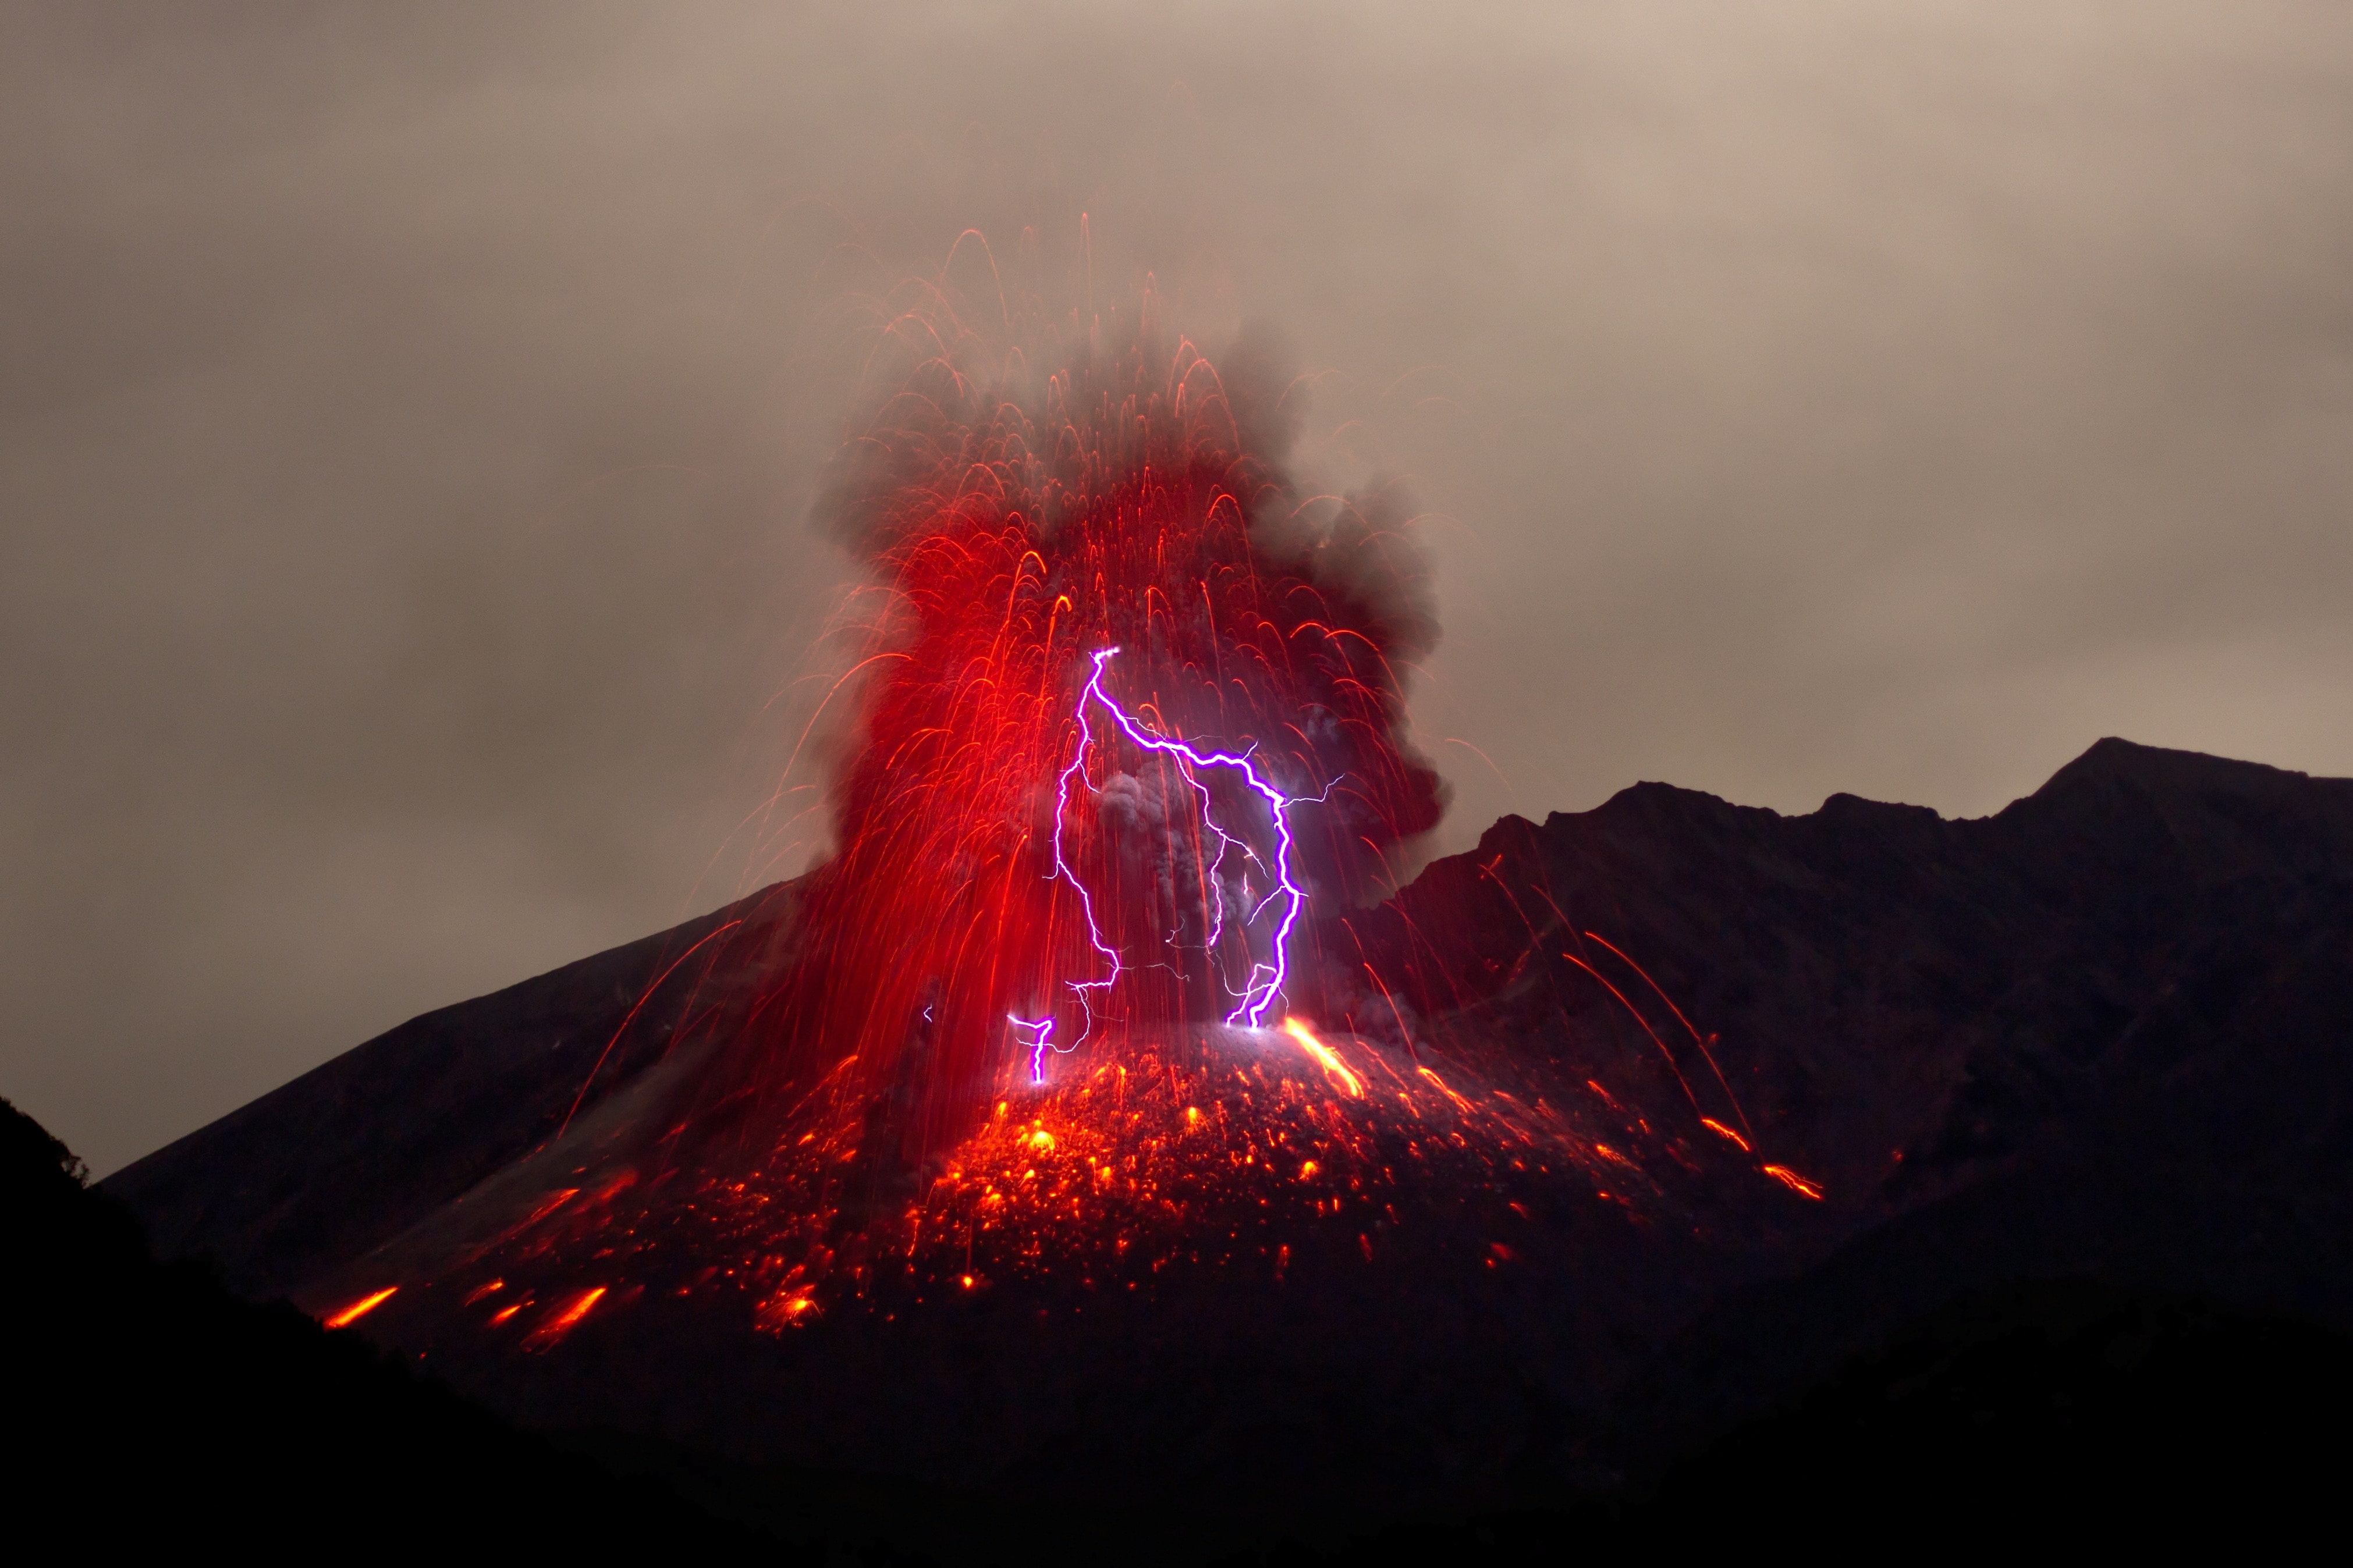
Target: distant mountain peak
2113 759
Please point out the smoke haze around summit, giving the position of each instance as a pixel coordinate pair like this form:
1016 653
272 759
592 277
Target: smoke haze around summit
411 415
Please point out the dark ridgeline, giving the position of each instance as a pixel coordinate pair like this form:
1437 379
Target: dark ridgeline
2097 1038
2107 1033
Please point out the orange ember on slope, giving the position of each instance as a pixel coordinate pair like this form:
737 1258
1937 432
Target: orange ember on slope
361 1308
1234 1150
562 1323
1224 1152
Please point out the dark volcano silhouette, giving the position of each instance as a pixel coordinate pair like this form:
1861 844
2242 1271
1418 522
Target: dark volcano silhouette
2098 1037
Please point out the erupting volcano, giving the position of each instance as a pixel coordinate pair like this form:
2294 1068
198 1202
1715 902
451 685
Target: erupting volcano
1104 1120
1087 992
1092 998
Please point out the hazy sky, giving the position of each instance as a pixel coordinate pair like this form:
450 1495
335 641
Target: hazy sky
408 417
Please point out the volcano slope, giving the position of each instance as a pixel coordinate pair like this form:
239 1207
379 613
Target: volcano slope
1590 1143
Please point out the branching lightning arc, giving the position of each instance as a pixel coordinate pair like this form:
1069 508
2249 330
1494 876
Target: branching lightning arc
1264 984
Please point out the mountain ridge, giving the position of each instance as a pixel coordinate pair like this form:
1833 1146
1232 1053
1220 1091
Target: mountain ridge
2100 1033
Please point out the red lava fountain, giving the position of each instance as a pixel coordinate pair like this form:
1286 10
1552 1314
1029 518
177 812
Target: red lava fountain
1121 503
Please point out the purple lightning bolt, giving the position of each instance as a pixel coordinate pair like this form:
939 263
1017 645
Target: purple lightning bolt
1266 980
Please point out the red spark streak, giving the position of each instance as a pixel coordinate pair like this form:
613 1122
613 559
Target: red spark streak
1794 1182
1706 1055
1713 1125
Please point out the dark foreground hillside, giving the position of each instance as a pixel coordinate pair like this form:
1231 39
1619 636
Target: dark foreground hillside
151 1408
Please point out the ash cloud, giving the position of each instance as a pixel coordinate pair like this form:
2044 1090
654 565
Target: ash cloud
411 414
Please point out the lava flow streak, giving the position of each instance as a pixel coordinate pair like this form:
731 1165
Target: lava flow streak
1265 981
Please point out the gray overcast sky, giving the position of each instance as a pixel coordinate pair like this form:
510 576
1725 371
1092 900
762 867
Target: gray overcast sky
407 414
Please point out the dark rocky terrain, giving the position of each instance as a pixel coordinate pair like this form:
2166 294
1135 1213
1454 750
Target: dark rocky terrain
2099 1037
2107 1032
152 1411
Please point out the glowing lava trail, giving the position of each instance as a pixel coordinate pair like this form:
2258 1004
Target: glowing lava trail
1265 981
